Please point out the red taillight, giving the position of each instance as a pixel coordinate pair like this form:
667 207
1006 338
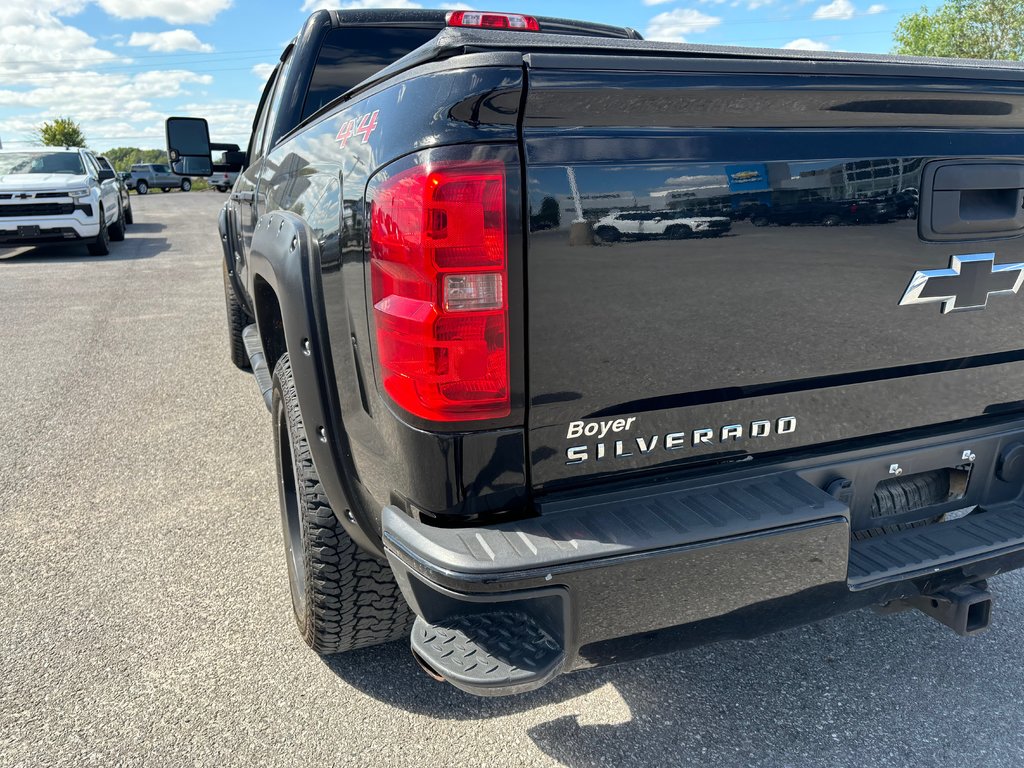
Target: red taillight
489 20
440 290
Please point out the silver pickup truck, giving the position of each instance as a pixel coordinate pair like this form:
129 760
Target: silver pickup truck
146 176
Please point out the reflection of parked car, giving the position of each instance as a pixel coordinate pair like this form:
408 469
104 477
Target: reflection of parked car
649 224
827 213
905 203
147 176
122 189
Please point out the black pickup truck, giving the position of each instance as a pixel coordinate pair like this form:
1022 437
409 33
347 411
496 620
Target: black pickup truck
533 450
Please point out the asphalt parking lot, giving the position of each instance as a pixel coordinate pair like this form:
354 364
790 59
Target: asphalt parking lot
144 612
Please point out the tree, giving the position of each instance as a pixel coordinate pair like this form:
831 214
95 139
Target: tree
123 158
61 132
964 29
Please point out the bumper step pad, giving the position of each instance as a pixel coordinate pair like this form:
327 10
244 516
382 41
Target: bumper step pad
490 654
940 546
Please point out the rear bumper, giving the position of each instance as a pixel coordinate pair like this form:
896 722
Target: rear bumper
629 573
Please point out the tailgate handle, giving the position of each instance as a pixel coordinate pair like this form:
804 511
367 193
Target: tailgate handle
972 200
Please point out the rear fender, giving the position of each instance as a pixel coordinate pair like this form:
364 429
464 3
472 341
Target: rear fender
285 258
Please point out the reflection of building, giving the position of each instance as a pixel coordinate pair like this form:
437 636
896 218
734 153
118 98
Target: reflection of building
862 178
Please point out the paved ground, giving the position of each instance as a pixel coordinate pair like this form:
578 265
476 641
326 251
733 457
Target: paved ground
144 616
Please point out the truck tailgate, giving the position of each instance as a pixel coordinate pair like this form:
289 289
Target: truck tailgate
727 263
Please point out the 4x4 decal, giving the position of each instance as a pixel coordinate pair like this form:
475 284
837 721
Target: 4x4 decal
361 126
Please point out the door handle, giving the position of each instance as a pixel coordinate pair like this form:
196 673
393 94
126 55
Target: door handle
243 197
972 200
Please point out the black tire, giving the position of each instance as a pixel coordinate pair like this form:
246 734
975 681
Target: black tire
129 217
165 189
831 221
760 221
911 212
141 188
100 246
238 319
186 185
342 597
679 232
608 234
116 230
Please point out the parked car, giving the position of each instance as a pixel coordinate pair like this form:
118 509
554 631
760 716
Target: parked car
57 195
824 212
146 176
223 180
122 189
225 173
527 458
640 225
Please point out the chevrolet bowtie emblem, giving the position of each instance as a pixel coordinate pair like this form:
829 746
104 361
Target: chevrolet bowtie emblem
967 284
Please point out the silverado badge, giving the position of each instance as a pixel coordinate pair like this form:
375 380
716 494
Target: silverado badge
967 284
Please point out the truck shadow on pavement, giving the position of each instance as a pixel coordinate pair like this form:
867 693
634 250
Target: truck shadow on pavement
137 245
858 690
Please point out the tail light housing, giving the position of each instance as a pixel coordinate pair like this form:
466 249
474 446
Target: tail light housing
439 285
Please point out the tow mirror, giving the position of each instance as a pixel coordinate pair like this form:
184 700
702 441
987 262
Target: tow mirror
188 146
236 159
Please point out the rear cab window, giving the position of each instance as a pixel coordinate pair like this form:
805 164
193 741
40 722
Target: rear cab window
350 55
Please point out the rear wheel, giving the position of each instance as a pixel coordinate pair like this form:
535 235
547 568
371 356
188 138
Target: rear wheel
186 185
831 221
608 234
759 221
142 188
238 319
342 597
101 245
679 232
129 217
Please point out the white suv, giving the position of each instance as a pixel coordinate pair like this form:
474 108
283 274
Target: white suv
56 195
673 225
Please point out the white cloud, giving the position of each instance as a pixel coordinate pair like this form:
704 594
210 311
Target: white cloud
806 44
314 5
670 26
49 68
167 42
262 71
877 8
837 9
171 11
89 93
35 40
753 5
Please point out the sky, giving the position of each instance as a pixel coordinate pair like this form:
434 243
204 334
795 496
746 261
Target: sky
120 67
